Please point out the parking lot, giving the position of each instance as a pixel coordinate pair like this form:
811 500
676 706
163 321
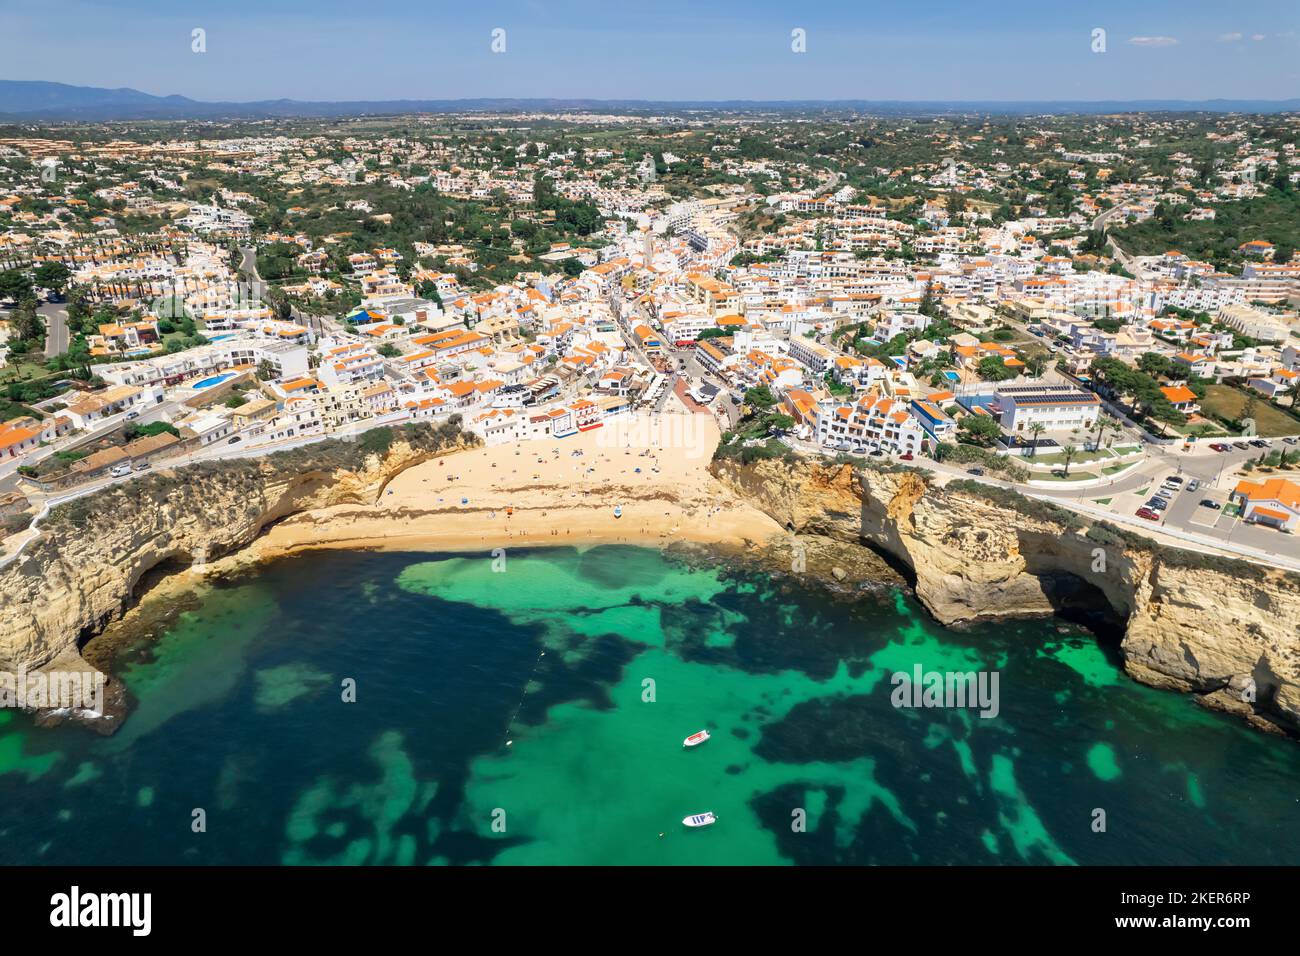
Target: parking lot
1207 509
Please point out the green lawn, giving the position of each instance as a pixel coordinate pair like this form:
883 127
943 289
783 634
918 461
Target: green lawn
1057 458
1072 476
1227 402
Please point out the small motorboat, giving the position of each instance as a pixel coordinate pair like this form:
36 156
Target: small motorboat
618 511
694 740
701 819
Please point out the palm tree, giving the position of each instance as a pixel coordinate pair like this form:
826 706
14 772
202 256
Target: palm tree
1102 425
1036 429
1068 453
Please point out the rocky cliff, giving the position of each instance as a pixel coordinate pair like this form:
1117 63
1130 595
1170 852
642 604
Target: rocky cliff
84 568
1225 630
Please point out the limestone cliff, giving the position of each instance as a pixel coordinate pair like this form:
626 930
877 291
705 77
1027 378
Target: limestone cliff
1199 623
83 569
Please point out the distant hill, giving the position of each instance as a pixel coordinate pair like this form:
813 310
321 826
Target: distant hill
36 101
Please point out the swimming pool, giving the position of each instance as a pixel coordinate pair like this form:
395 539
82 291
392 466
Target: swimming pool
952 376
212 380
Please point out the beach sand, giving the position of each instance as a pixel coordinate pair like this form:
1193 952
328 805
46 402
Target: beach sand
545 493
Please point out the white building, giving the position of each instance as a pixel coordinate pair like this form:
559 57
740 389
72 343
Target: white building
1056 407
873 423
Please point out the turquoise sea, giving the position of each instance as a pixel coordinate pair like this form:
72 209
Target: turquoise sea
533 712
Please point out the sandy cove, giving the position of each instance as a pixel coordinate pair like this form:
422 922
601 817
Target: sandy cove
540 493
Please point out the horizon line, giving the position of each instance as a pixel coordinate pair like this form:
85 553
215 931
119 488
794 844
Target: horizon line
657 101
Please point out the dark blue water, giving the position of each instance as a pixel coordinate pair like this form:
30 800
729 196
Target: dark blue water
503 717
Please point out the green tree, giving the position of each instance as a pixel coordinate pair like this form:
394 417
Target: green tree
15 284
53 276
979 430
1067 456
760 397
994 369
1036 429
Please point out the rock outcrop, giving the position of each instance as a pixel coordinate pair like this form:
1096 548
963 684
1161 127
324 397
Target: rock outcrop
83 569
1225 630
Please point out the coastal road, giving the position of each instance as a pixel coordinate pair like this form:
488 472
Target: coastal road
1184 515
8 468
1217 474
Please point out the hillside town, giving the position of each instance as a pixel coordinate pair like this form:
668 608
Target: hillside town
1103 312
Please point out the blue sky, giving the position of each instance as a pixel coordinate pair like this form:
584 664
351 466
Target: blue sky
660 49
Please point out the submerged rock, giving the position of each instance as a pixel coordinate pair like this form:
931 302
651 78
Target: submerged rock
1190 621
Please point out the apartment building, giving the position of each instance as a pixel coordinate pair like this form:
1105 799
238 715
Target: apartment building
1253 323
816 357
873 423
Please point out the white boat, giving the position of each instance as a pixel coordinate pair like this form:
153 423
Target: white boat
701 820
694 740
618 511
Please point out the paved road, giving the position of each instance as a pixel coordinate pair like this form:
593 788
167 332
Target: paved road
8 468
1214 471
828 184
248 261
1103 222
57 336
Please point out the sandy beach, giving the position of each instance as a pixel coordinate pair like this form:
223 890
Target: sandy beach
653 468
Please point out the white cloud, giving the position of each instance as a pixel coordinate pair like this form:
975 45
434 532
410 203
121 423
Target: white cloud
1152 41
1257 37
1230 37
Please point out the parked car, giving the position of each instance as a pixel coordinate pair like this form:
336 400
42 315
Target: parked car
1219 446
1193 484
907 456
1291 441
1259 443
1156 504
141 466
1173 480
131 416
1240 444
1148 514
120 471
1208 503
232 439
977 472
